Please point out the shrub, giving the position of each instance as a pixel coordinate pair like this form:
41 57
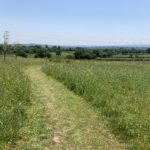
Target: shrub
42 53
21 53
148 50
58 52
84 54
70 57
48 55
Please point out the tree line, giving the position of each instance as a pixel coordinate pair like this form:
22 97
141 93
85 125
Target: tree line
39 51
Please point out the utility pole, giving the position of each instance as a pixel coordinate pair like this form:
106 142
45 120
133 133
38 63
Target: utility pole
5 45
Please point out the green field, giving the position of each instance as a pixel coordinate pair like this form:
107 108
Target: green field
120 91
128 56
22 116
108 108
14 99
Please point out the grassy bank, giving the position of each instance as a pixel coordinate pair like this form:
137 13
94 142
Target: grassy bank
14 100
119 90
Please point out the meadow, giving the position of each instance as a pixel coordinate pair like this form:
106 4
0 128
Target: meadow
14 100
118 91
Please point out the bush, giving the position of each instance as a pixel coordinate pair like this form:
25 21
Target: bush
1 49
70 57
42 53
21 53
106 54
148 50
84 54
58 52
48 55
97 53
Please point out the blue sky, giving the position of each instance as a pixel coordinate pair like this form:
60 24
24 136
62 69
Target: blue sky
76 22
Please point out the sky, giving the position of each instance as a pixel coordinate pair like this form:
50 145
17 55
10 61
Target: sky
76 22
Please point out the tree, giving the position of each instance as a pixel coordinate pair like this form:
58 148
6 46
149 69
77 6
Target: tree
5 45
54 48
109 52
48 55
20 50
22 53
1 49
58 52
148 50
84 54
42 53
131 55
96 52
15 49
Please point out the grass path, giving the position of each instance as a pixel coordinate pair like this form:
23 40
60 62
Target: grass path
74 125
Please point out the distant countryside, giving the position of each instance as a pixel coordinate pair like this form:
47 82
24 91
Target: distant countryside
82 53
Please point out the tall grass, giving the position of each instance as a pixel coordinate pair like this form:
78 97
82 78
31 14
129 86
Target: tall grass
14 99
119 90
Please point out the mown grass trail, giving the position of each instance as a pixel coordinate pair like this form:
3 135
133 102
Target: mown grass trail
73 123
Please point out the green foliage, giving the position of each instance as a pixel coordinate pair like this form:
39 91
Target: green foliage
148 50
58 52
48 55
97 53
106 53
84 54
14 98
131 55
70 57
21 53
120 91
1 49
55 48
42 53
20 50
